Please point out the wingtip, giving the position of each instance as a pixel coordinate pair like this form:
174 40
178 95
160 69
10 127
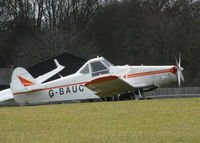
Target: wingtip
56 62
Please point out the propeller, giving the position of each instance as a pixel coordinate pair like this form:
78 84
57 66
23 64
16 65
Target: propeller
179 70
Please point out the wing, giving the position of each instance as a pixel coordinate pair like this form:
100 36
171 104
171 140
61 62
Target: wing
107 86
48 75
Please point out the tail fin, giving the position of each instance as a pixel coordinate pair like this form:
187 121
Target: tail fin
22 81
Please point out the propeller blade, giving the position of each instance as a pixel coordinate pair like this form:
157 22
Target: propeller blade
179 62
182 77
176 61
179 77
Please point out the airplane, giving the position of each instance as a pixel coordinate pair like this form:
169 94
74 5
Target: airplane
96 79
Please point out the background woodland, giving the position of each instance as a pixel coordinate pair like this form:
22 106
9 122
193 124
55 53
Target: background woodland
131 32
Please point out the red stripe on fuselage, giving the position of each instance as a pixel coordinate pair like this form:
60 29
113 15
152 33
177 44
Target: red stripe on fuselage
48 88
150 73
104 79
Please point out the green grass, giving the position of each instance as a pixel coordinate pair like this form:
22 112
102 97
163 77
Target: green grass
149 121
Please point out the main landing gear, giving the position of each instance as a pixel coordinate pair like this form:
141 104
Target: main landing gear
138 94
130 95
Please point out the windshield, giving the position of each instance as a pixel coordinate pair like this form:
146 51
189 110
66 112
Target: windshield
85 70
98 68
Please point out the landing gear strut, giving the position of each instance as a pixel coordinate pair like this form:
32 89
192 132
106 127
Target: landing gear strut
139 96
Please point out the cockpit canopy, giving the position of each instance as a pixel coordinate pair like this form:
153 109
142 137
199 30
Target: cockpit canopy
97 66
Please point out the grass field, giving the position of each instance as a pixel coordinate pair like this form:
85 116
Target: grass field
148 121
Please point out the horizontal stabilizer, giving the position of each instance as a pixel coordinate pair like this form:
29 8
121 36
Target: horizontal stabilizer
107 86
6 95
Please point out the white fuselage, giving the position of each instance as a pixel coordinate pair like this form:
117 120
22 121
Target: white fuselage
72 87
